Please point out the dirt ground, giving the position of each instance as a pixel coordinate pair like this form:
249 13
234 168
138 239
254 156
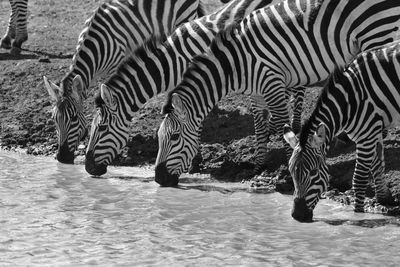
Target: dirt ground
228 142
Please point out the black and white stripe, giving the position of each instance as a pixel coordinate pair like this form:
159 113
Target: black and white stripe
116 28
155 68
16 32
362 100
287 45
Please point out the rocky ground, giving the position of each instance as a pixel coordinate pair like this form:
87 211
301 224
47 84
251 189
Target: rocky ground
228 142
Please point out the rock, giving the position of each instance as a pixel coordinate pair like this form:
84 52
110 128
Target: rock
44 59
81 147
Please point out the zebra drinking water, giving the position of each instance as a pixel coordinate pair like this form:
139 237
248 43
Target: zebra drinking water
289 44
116 29
156 68
16 32
362 100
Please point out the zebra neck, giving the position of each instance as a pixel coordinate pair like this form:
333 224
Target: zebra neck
331 107
204 85
91 63
94 56
153 69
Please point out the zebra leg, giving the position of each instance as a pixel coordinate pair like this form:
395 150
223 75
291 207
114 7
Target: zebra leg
382 193
21 27
365 155
298 108
261 129
385 133
198 159
277 101
5 42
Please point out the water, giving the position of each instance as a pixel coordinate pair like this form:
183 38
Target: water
57 215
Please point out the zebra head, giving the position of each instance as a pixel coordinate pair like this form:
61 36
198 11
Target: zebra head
68 117
178 142
309 171
108 134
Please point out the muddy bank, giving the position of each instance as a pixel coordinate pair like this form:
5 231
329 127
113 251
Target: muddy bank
226 152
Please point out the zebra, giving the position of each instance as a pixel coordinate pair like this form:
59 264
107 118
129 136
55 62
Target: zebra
361 99
155 68
16 32
286 45
116 28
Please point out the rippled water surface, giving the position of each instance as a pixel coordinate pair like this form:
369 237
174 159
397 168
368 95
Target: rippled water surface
57 215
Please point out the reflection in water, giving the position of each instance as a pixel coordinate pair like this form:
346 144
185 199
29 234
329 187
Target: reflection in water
54 214
127 178
208 188
223 189
368 223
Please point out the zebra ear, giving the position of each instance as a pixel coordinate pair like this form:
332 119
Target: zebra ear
289 136
319 136
77 86
179 109
107 97
55 92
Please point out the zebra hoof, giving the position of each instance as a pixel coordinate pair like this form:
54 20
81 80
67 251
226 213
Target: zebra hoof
359 209
259 168
386 200
5 43
15 51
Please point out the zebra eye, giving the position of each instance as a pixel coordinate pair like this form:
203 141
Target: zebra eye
103 127
175 136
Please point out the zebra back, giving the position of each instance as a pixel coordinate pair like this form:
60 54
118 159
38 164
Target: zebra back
286 45
158 67
362 99
115 29
118 27
154 69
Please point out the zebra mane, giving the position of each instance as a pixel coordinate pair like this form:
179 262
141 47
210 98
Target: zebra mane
167 107
212 50
66 81
199 60
98 101
308 127
226 34
305 132
201 11
152 45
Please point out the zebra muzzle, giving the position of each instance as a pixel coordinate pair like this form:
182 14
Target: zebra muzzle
91 167
300 211
64 155
163 177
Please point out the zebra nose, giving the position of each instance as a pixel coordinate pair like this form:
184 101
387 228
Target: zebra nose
300 211
64 155
91 167
163 178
